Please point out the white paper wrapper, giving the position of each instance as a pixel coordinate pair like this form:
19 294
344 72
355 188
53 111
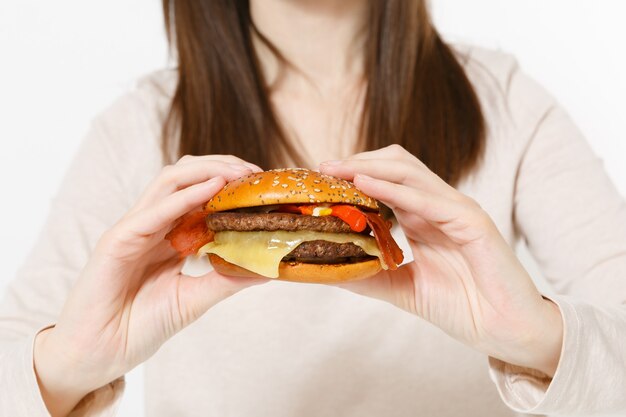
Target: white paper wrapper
197 265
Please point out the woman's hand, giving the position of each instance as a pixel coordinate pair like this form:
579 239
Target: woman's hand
465 278
131 296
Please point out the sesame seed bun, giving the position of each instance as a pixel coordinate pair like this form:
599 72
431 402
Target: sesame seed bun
305 272
288 186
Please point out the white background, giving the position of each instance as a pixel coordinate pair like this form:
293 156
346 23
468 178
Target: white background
64 61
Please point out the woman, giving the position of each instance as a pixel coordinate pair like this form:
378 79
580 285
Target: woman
329 84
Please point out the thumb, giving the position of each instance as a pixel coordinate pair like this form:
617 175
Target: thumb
197 294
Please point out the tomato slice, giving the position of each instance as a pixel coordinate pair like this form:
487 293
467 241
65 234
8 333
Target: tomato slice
351 215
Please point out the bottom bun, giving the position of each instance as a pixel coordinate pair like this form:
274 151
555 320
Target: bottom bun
303 272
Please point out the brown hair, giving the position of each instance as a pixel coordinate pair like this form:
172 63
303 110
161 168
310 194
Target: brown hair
417 93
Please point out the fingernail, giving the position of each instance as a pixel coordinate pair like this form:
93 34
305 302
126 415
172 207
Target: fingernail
331 163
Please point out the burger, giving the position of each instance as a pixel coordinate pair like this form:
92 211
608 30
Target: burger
290 224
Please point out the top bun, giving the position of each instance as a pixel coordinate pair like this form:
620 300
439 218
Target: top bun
288 186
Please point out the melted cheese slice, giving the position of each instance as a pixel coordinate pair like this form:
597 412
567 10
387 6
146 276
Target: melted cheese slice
261 252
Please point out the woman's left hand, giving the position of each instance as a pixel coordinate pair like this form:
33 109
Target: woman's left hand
465 278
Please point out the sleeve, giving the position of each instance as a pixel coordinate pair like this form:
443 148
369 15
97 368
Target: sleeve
573 220
92 197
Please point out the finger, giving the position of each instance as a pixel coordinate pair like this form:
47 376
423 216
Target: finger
198 294
177 177
162 214
229 159
417 229
400 172
431 207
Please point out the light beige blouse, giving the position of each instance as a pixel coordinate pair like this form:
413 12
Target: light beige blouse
286 349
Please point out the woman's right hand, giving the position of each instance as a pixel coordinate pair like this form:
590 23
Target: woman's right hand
131 296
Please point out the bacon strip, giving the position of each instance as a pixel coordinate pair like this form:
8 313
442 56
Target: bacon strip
190 233
391 252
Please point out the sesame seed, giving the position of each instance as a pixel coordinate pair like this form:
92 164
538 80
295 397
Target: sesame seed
317 190
256 182
311 196
284 185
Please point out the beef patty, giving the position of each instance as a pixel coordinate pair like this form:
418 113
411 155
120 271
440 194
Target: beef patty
248 222
321 251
